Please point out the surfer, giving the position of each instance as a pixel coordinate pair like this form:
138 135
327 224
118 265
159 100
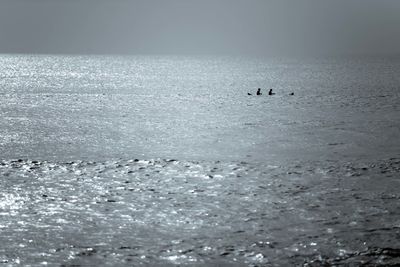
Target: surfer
259 91
270 92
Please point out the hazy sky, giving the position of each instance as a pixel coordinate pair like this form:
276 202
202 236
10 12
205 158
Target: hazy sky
200 26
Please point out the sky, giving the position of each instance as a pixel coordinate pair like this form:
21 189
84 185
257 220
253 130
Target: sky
328 27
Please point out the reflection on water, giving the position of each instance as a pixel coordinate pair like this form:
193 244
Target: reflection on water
258 180
183 212
197 108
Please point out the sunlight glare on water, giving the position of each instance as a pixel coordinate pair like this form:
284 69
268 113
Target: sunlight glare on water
196 108
109 161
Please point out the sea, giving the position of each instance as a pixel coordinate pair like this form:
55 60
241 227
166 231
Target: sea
176 161
94 107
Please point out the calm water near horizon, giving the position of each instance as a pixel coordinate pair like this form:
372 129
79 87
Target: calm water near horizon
97 107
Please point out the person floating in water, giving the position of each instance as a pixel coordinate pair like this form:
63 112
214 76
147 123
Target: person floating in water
270 92
258 92
291 94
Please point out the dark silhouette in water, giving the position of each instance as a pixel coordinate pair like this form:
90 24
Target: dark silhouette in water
259 91
270 92
249 94
291 94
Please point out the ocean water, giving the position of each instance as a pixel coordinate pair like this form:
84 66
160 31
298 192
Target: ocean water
193 108
166 161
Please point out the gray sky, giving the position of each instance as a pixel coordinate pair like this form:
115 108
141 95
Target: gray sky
200 26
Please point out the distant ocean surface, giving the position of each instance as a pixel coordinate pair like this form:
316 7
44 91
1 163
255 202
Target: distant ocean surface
197 108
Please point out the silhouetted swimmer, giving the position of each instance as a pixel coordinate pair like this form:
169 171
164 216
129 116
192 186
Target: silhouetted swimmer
249 94
259 91
270 92
291 94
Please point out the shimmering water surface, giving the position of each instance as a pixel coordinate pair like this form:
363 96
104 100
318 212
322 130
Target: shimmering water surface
197 108
129 161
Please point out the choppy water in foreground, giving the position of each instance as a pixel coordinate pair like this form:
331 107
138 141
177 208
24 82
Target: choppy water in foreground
165 212
310 179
